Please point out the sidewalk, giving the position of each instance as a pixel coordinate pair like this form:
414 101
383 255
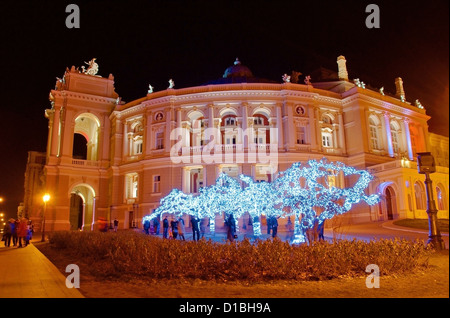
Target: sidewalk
27 273
391 226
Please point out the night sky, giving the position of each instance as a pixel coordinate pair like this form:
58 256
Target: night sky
193 42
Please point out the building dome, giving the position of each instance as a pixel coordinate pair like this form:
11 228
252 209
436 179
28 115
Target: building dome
237 70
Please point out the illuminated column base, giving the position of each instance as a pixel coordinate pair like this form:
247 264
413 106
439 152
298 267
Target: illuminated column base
299 236
256 228
212 225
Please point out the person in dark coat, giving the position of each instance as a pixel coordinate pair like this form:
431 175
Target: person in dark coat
231 227
274 224
269 224
14 227
165 227
174 225
7 232
156 225
320 229
146 227
195 228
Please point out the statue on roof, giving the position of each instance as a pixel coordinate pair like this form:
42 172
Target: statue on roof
308 80
171 84
150 89
286 78
294 76
92 69
418 104
382 91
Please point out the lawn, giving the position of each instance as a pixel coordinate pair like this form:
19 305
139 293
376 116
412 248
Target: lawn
429 281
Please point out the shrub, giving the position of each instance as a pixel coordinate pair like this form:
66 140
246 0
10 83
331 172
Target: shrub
131 253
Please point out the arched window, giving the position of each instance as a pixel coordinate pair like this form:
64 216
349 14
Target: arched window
421 199
395 137
137 139
261 129
440 195
373 134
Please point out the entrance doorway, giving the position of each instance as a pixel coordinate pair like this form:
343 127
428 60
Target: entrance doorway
76 212
390 203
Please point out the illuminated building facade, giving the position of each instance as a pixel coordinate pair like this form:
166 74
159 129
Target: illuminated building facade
107 158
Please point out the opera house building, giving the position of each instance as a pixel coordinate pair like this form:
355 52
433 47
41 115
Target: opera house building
106 158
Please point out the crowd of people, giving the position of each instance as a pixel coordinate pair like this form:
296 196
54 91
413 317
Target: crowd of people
175 227
19 232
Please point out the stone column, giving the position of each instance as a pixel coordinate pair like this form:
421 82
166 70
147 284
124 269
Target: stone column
54 149
318 131
280 138
342 133
408 139
244 108
387 125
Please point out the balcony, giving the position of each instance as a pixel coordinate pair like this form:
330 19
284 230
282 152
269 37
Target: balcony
85 163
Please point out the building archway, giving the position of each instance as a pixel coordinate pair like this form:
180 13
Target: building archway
82 207
391 204
76 211
88 126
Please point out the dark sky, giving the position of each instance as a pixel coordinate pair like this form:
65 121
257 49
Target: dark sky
193 42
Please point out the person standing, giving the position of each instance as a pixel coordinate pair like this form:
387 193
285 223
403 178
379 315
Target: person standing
231 226
320 229
202 228
14 228
146 226
181 228
195 229
116 224
269 224
165 227
22 232
274 224
156 225
174 225
7 232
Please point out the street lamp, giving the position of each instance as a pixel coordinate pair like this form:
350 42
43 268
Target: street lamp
45 198
426 165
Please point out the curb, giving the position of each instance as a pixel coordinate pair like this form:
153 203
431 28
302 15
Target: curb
390 226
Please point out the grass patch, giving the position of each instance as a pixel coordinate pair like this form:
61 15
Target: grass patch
129 253
422 224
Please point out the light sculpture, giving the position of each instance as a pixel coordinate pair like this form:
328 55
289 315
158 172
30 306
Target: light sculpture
303 192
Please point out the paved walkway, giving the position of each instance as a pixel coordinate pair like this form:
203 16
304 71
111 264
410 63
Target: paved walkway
26 273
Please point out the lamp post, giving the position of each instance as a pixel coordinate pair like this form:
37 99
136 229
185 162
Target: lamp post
426 165
45 198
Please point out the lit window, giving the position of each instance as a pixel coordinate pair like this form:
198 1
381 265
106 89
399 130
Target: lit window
230 121
419 193
160 140
373 134
258 121
326 140
394 136
132 185
138 147
157 184
301 135
440 198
